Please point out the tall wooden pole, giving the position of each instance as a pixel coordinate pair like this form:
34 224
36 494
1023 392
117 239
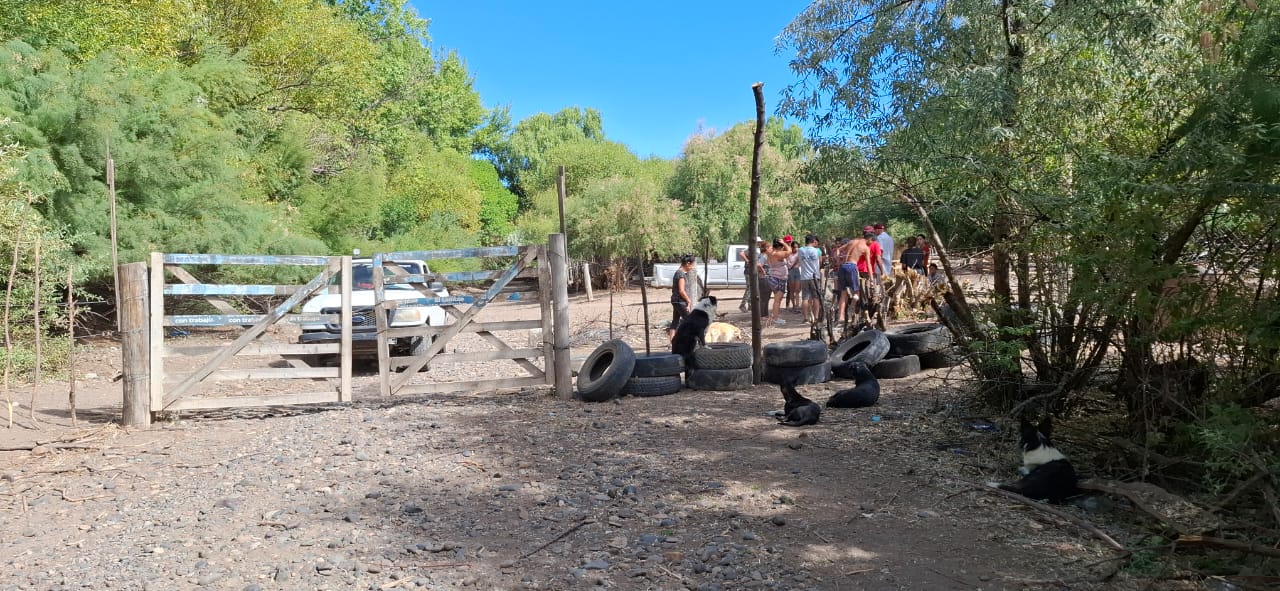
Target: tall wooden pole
559 262
135 344
560 195
35 319
71 336
115 243
644 303
753 229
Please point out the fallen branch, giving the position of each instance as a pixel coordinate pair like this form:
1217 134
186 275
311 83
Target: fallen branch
1174 512
1079 522
1259 475
1248 547
584 521
74 500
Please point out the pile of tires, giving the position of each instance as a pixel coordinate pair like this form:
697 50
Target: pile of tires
720 367
656 374
797 362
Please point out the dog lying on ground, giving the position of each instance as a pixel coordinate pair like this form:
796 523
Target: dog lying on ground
692 331
798 410
865 392
723 332
1047 474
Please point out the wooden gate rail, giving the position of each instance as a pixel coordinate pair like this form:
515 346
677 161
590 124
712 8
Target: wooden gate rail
178 395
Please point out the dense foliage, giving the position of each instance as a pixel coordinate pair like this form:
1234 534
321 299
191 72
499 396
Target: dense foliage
1120 158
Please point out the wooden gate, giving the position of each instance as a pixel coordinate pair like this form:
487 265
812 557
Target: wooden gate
530 266
176 392
536 272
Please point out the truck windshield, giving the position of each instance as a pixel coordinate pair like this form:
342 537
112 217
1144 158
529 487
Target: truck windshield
362 275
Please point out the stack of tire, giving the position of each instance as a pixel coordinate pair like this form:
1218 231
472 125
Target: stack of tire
914 348
797 362
720 367
614 369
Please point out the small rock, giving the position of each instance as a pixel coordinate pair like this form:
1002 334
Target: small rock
229 503
282 574
778 520
373 495
795 444
749 536
361 456
209 579
927 514
252 587
597 564
618 542
509 487
351 518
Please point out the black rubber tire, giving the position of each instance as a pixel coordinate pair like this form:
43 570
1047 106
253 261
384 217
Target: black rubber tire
896 367
915 339
719 379
949 357
868 346
653 386
795 353
721 356
658 365
606 371
818 373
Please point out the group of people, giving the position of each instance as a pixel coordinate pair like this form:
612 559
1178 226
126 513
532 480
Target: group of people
792 272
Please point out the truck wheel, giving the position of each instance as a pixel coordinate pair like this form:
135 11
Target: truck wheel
918 338
606 371
795 353
721 356
658 365
896 367
817 373
653 386
868 346
719 379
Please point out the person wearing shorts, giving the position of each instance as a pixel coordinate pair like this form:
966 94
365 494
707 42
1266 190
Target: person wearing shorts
809 265
776 269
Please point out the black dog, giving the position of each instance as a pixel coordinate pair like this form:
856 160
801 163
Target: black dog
798 410
1047 474
865 392
692 331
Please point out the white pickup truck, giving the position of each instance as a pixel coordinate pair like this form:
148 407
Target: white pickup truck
364 326
730 271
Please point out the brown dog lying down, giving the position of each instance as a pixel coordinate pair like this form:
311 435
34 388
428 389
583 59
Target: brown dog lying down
723 332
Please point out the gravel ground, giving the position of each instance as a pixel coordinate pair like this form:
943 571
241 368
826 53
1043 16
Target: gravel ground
521 490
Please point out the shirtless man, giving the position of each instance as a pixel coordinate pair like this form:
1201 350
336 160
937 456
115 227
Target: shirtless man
856 255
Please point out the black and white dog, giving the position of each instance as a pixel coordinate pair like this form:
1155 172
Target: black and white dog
798 411
1046 473
692 331
865 392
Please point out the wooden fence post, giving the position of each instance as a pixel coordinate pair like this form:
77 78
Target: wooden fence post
559 263
586 280
135 344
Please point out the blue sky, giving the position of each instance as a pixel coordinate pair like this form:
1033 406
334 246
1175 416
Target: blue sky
657 71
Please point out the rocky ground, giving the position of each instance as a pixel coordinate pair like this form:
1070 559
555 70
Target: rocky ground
521 490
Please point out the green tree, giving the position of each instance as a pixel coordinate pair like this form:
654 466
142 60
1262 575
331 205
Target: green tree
712 181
